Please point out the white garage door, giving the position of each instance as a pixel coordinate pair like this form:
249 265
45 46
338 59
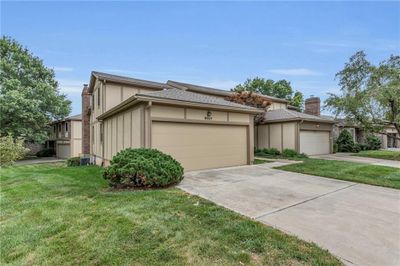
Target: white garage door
314 142
63 151
201 146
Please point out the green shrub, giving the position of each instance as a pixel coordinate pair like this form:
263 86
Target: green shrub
363 146
74 161
373 142
345 142
142 168
357 147
11 150
335 148
290 153
271 151
46 153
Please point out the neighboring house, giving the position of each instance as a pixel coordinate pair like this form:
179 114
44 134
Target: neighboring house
65 137
283 128
389 140
194 124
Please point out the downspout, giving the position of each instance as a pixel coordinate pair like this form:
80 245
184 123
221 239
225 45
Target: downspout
147 121
298 135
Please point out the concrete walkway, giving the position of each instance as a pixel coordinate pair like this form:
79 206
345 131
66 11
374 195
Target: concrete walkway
39 160
358 223
350 158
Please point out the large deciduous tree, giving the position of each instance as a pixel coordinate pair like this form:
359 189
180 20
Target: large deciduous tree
280 89
29 94
370 95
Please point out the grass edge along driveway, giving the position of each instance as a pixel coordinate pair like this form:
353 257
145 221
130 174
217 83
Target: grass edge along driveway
349 171
55 215
380 154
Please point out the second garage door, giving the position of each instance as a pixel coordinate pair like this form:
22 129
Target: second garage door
63 151
201 146
314 142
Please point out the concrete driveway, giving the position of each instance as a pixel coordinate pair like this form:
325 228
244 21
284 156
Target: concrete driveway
358 223
357 159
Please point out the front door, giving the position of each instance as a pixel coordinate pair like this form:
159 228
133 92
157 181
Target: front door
391 141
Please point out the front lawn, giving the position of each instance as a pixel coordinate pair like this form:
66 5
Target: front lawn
384 154
54 215
356 172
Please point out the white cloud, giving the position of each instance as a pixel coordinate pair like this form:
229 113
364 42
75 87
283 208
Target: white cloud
63 69
294 72
70 86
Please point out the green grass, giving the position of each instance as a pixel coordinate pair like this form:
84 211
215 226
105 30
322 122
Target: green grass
275 157
387 155
54 215
259 161
357 172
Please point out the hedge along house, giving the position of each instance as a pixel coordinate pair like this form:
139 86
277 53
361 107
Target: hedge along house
284 128
193 124
65 137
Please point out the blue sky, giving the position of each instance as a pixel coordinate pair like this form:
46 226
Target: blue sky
217 44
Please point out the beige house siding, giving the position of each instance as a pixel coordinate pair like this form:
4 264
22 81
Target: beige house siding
278 135
275 136
275 106
174 129
289 136
122 131
68 143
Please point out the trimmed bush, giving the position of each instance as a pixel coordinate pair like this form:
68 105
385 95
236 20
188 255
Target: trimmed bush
11 150
143 168
289 153
271 151
345 142
335 148
373 142
46 153
74 161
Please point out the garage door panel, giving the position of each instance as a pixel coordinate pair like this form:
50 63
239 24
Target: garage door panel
314 142
201 146
63 151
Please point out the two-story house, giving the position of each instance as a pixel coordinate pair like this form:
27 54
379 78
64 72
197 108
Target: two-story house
196 125
65 137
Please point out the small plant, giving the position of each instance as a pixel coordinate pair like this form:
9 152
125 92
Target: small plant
143 168
335 148
46 153
74 161
11 150
345 142
271 151
289 153
373 142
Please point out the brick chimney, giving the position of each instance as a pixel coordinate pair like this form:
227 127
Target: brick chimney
313 106
85 120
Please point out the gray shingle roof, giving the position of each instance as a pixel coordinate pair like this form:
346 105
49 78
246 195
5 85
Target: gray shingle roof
290 115
74 117
186 96
127 80
198 88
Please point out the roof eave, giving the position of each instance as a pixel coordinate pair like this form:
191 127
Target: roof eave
200 105
296 119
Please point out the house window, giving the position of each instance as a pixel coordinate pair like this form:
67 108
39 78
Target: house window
59 127
91 101
98 96
66 127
